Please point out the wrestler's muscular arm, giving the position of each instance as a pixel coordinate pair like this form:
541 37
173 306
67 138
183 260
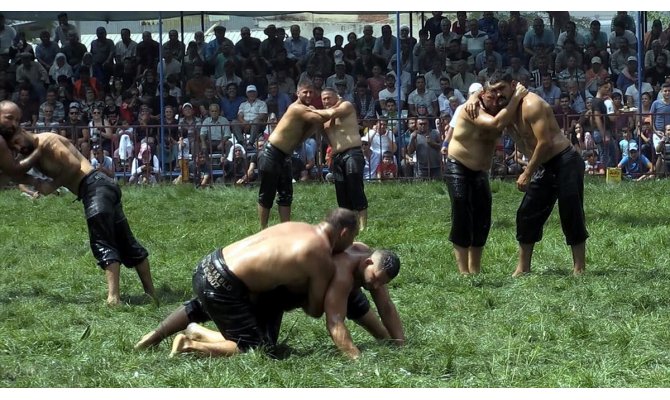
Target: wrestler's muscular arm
388 314
535 116
56 150
342 109
504 116
13 168
336 311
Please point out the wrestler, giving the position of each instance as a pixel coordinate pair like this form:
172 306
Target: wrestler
274 162
555 171
11 168
341 129
112 242
467 169
232 284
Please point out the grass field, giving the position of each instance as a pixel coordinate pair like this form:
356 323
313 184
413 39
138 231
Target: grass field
608 328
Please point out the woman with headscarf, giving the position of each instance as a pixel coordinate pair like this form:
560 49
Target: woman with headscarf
86 63
60 67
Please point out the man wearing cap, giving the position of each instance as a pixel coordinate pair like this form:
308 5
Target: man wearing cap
595 75
250 117
469 155
391 92
555 171
274 164
340 74
341 128
317 33
636 166
111 239
620 58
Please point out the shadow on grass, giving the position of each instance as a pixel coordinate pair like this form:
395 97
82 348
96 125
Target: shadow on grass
634 220
165 296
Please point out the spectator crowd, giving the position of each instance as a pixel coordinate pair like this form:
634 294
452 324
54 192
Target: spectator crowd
218 101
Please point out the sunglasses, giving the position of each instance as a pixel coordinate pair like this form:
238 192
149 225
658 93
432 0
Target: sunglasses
96 112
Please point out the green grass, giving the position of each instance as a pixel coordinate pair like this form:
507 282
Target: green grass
609 328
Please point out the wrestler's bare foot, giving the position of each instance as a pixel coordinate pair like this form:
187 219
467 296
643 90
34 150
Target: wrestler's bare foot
179 345
113 300
520 272
578 271
151 339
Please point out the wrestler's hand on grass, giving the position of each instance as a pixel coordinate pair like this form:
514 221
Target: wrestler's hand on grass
44 187
523 181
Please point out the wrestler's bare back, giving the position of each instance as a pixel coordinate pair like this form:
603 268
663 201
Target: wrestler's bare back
296 125
61 161
289 254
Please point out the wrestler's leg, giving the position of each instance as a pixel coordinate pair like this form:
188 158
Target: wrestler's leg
475 259
224 348
525 256
462 259
144 273
264 216
112 273
284 214
175 322
579 258
362 219
198 332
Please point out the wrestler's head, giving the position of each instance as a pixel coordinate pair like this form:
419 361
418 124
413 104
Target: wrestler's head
345 224
380 268
305 91
22 142
329 97
10 116
502 85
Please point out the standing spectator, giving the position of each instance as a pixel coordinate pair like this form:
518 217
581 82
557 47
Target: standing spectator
602 128
125 49
62 32
461 25
660 110
571 34
426 143
367 41
317 33
385 45
102 50
432 25
46 51
147 53
619 31
489 25
174 46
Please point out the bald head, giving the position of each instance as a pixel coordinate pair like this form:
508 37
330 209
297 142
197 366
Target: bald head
10 116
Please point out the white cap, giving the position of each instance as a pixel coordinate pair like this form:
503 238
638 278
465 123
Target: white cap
251 88
475 87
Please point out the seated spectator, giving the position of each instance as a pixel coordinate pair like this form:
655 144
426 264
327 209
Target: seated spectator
625 142
285 84
376 82
227 78
199 171
215 133
101 162
595 75
660 140
364 104
250 117
636 166
124 152
591 165
387 169
276 101
565 115
28 105
655 51
391 91
33 73
571 73
47 123
235 165
517 70
85 81
99 128
230 103
462 79
65 90
57 106
145 168
60 67
191 59
340 74
303 161
549 91
422 96
195 87
619 31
